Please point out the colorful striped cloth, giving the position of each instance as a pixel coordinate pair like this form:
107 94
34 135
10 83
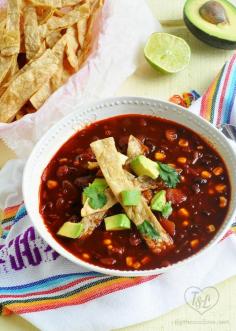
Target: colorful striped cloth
45 288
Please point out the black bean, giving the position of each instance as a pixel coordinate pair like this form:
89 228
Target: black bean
199 180
83 181
206 213
196 188
62 171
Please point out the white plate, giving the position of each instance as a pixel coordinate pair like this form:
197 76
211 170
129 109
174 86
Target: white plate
68 126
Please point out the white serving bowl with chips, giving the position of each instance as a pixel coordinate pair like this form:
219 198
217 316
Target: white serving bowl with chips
51 142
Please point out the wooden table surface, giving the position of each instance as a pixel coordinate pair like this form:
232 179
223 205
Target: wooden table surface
205 63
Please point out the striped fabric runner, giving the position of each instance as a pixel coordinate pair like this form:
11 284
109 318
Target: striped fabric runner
56 291
218 102
78 288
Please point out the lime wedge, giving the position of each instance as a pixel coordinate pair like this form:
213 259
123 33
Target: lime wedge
167 52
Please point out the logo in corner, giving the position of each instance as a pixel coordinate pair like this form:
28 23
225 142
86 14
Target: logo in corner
201 300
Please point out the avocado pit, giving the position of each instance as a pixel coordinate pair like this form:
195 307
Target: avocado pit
213 12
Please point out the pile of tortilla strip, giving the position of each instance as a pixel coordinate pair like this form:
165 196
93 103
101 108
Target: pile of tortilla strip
42 43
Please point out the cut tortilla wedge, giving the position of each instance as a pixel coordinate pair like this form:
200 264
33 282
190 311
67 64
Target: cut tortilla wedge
111 166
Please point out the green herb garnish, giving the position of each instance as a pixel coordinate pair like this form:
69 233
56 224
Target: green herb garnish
148 230
167 210
168 174
96 195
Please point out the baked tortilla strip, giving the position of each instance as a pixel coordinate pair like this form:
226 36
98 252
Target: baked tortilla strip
10 39
68 19
55 81
54 3
5 66
118 181
26 84
71 47
91 222
31 33
142 182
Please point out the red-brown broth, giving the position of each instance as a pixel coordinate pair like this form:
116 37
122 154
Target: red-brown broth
64 203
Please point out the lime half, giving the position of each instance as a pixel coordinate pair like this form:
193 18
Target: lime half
167 52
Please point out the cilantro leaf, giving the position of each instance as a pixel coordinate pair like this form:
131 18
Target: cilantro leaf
167 210
168 174
148 230
96 195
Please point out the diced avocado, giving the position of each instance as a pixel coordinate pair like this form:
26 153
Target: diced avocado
71 230
159 200
131 197
213 22
117 222
143 166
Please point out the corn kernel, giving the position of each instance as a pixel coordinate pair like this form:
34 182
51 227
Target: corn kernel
220 188
76 163
51 184
182 160
194 243
172 165
183 142
63 160
218 171
129 261
136 265
205 174
145 260
211 228
185 224
107 241
211 191
183 212
223 202
159 156
110 247
86 256
92 165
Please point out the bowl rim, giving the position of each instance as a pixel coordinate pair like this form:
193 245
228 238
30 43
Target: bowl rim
102 270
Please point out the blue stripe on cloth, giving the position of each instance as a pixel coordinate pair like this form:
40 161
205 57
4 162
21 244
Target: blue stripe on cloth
229 96
46 283
20 214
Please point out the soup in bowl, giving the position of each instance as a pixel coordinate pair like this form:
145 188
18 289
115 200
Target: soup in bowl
132 192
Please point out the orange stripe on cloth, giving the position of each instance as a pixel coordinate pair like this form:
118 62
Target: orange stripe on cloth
96 291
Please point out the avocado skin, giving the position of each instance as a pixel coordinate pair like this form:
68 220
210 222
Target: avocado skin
208 39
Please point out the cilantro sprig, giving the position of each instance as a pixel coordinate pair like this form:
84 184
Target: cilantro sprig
96 195
167 210
168 174
148 230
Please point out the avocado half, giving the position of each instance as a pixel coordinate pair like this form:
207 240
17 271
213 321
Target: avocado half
213 22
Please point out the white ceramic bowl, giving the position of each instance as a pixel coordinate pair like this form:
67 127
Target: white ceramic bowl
68 126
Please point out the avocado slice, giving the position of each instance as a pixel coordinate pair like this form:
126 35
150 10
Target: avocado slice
143 166
117 222
131 197
71 230
213 22
158 201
